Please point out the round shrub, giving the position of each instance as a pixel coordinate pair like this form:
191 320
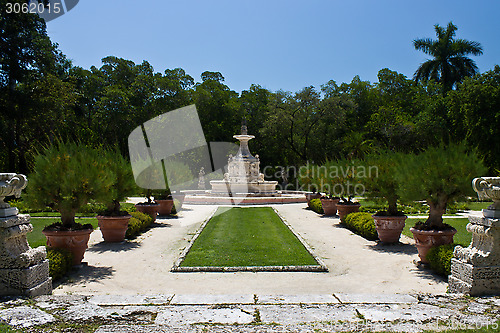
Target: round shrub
60 262
139 223
440 258
362 224
315 205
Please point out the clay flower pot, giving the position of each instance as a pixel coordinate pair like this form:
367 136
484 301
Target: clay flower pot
389 228
75 241
165 206
425 240
310 196
113 228
346 209
150 209
179 197
329 206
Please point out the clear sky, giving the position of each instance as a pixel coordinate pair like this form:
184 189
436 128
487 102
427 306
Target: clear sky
275 43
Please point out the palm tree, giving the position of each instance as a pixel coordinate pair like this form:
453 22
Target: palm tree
450 64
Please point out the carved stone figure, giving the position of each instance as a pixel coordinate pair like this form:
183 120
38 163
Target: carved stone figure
475 270
23 270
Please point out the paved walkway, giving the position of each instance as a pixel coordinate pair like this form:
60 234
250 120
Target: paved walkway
250 313
355 265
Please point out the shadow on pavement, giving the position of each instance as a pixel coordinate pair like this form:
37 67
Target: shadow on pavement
408 249
103 247
85 274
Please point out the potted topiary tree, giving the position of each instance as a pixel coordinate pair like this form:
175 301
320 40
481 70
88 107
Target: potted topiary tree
439 175
306 179
165 201
66 176
113 222
149 207
380 182
343 181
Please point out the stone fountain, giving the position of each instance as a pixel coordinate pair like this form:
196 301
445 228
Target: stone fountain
243 176
475 270
23 270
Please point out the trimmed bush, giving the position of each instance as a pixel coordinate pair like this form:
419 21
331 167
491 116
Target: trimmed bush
362 224
139 223
440 258
315 205
60 262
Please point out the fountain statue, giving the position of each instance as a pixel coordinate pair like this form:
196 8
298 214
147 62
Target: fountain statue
475 270
23 270
243 176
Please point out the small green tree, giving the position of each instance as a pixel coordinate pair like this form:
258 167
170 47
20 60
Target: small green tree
339 178
439 175
124 183
66 176
380 180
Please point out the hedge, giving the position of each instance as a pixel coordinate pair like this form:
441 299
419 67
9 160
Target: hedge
362 224
60 262
315 205
139 223
440 258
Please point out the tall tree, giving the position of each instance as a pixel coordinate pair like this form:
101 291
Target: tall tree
450 63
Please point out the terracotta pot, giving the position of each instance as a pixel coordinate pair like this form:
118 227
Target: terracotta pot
329 206
150 209
389 228
165 206
425 240
75 241
344 210
310 196
179 197
113 228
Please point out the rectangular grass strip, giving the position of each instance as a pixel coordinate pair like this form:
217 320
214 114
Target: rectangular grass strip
245 238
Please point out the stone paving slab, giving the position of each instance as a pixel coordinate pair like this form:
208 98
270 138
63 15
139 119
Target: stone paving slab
403 312
296 299
113 300
179 316
375 298
25 316
212 299
295 314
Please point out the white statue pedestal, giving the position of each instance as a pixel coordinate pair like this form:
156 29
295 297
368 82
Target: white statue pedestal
475 270
23 270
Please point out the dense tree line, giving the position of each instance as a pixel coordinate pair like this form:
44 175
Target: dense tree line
44 98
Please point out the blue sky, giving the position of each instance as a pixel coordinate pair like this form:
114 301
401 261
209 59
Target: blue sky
278 44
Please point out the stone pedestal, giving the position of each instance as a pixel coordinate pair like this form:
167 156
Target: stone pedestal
475 270
23 270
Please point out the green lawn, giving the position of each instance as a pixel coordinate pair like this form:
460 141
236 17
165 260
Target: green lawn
462 237
36 238
478 205
247 237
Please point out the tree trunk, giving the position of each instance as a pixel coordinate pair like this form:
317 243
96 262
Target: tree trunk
436 212
393 207
68 218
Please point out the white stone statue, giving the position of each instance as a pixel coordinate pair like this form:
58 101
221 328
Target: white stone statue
488 188
11 184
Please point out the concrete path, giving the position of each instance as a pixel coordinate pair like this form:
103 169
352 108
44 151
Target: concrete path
355 265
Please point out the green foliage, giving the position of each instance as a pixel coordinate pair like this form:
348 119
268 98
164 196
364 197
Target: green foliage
60 262
440 258
439 175
414 208
380 180
139 223
450 64
362 224
315 205
124 183
67 176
